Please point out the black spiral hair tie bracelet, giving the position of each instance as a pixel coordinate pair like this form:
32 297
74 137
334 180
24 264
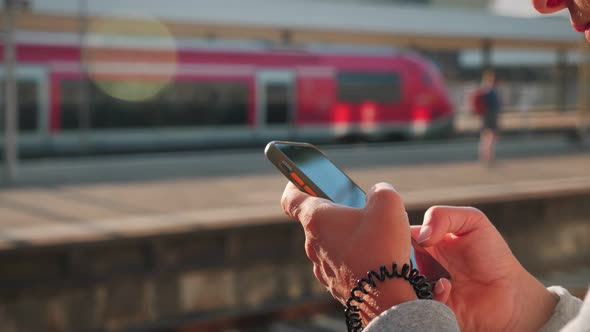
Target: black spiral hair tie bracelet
421 287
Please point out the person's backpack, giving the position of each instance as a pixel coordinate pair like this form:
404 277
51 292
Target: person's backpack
477 102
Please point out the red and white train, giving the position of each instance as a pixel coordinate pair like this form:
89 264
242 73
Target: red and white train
202 94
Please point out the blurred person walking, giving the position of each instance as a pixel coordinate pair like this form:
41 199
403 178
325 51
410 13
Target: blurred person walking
486 103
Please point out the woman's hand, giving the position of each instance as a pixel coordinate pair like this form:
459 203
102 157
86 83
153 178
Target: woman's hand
489 289
344 243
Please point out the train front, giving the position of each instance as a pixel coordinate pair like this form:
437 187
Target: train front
431 113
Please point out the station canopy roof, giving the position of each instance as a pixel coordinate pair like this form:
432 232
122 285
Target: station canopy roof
349 22
427 22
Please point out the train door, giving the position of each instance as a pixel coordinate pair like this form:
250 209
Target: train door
33 106
275 100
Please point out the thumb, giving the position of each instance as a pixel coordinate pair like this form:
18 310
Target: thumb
386 223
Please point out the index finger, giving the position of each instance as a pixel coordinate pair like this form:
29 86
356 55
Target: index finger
292 200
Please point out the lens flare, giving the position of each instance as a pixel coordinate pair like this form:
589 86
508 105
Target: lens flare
132 59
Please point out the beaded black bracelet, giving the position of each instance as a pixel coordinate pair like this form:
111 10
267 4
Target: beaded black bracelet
422 288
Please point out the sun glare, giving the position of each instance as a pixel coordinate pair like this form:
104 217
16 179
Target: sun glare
131 59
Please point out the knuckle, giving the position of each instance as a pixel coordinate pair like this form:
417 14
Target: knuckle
478 215
312 217
310 252
434 212
475 211
286 203
317 272
431 210
293 210
388 195
291 205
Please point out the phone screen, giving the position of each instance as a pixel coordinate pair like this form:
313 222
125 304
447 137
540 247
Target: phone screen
320 170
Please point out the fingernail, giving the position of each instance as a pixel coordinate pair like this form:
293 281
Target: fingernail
385 185
440 287
372 189
425 233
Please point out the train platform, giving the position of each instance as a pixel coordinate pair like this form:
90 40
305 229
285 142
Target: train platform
52 211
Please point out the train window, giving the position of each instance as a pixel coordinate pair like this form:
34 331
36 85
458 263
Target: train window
71 99
179 104
278 103
356 87
28 105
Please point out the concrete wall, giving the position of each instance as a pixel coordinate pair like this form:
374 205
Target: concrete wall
158 281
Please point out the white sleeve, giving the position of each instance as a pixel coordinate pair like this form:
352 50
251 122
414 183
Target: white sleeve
567 308
582 322
416 316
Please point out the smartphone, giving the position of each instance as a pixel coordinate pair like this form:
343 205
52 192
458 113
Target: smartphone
308 168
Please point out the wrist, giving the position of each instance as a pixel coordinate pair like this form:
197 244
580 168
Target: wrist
387 295
379 291
536 305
